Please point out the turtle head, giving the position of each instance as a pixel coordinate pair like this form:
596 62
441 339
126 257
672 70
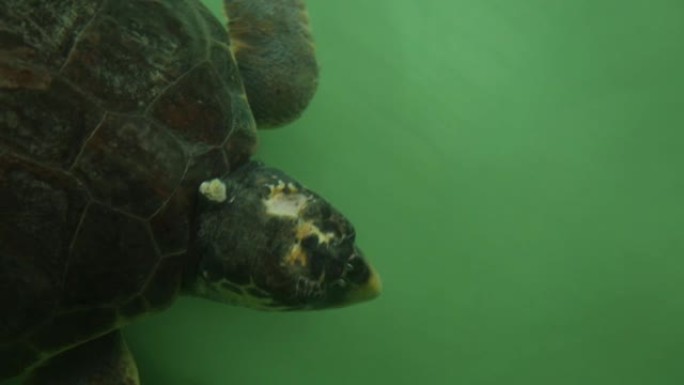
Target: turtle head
266 242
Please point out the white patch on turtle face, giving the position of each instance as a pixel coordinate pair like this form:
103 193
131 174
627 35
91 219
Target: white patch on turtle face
282 203
214 190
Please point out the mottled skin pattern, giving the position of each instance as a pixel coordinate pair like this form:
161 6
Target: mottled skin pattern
113 113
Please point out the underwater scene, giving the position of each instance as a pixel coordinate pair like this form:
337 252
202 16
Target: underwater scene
341 192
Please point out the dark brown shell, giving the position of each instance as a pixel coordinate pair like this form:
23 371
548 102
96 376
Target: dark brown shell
111 114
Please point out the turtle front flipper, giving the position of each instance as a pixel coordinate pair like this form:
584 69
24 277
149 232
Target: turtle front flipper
272 43
103 361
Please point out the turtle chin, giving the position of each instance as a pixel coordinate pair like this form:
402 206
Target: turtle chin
266 242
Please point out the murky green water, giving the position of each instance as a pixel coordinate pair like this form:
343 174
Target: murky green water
515 171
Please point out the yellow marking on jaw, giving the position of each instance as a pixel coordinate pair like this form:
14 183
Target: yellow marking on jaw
297 256
306 228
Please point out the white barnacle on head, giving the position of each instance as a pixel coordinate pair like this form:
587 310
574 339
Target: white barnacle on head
214 190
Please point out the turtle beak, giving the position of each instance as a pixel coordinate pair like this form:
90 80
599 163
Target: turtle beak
367 290
364 281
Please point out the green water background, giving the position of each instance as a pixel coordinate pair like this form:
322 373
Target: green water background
514 170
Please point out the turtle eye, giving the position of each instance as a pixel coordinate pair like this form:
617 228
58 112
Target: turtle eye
310 242
329 226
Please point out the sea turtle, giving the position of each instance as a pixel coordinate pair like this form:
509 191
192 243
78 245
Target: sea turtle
126 135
